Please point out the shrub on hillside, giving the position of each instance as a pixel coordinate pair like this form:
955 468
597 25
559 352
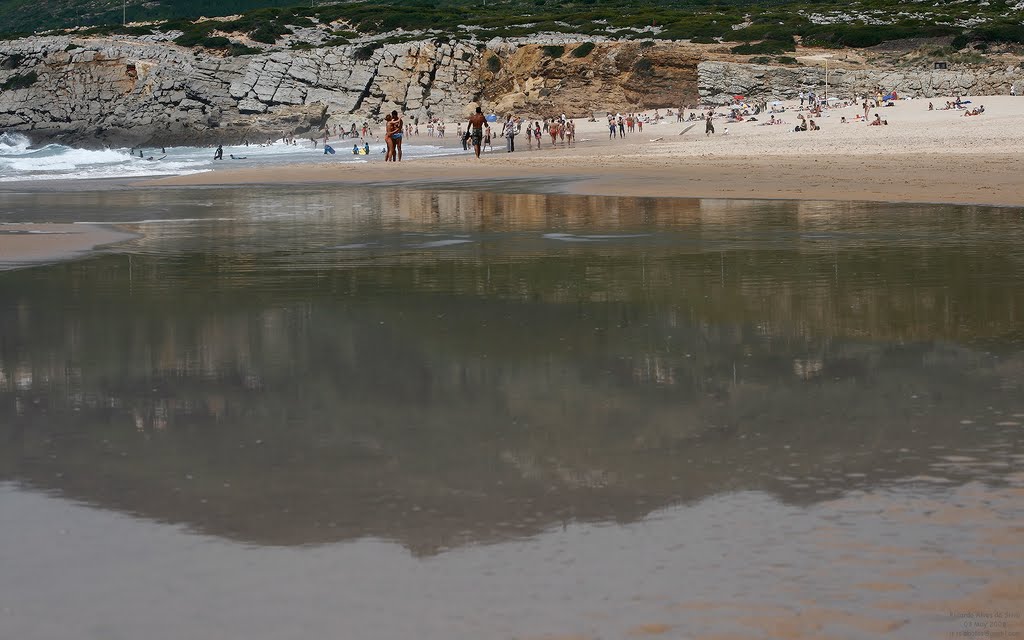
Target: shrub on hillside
20 81
12 61
366 51
583 50
643 67
215 42
269 33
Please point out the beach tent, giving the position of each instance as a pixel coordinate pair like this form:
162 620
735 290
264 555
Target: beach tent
492 117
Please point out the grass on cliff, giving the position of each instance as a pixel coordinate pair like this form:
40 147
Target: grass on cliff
755 27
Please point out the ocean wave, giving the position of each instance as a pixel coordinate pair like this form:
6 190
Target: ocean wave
20 161
13 143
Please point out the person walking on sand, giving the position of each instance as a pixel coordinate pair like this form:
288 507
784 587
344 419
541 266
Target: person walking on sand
509 131
709 127
477 122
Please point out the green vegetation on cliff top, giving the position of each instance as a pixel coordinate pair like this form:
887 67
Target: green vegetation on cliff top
768 26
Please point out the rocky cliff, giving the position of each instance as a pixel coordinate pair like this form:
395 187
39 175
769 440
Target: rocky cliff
134 90
128 91
720 81
142 90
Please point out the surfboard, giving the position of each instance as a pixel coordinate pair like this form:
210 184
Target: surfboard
688 128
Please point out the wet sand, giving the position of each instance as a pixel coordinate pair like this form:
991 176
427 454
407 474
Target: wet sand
924 178
24 243
830 578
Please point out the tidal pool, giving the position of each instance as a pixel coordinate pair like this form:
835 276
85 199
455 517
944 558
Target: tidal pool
382 413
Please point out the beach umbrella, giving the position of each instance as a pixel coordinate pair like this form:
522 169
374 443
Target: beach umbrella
737 98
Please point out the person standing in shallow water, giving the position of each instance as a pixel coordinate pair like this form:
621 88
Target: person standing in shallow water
217 155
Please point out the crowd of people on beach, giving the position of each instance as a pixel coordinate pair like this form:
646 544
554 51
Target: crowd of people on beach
478 134
810 108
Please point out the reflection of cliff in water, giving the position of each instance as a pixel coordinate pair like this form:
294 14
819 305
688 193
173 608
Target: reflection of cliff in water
423 403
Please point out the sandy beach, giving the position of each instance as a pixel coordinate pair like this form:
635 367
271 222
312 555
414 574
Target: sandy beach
935 156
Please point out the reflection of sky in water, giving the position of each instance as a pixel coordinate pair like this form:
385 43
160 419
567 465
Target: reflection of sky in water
708 401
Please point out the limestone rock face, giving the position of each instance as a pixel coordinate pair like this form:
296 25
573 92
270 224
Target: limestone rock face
126 90
621 76
719 81
130 90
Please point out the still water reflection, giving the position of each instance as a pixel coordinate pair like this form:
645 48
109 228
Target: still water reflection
440 370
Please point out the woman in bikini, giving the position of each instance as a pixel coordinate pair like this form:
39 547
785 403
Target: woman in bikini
389 142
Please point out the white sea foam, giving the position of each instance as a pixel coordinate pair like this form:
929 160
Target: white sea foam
440 243
19 160
13 143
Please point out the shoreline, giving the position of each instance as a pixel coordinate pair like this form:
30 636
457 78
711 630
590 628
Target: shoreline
920 178
937 157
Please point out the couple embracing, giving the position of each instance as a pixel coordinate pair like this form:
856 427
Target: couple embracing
394 128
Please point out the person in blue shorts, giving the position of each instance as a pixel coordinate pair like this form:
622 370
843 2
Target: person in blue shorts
397 129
